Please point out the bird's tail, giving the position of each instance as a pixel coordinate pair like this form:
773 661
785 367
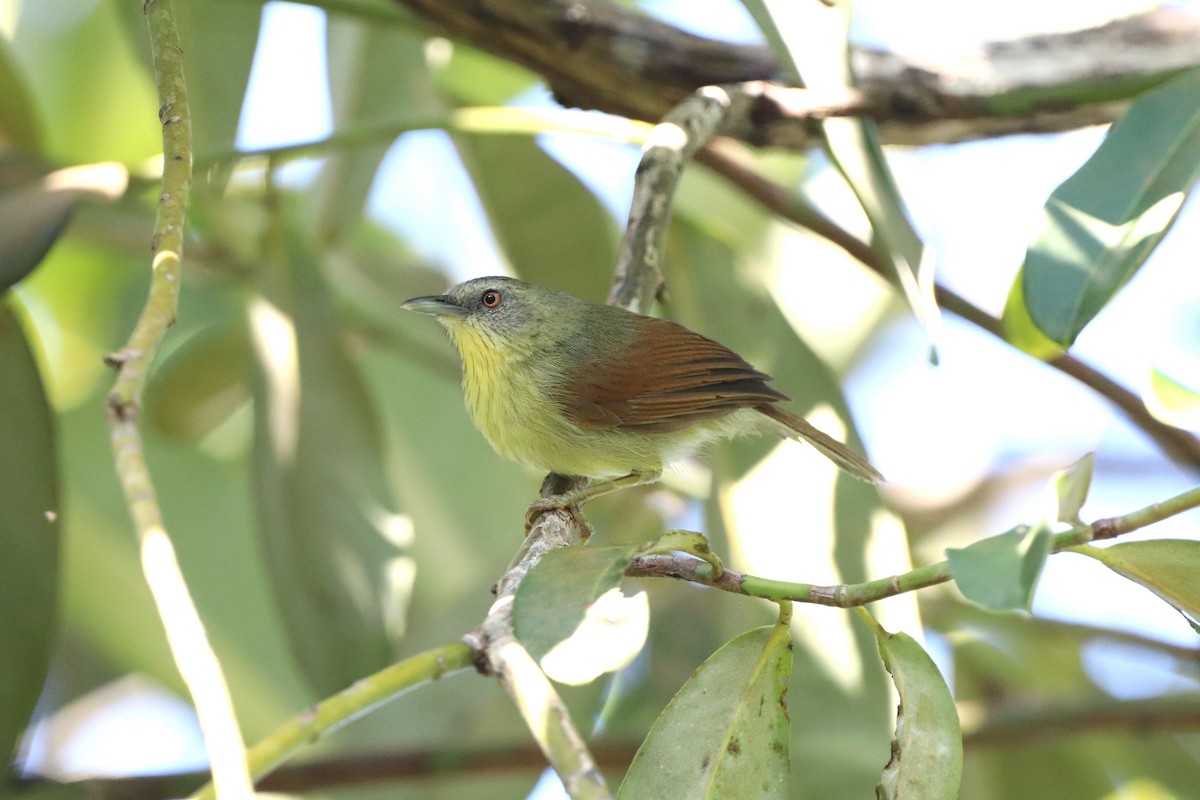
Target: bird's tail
829 447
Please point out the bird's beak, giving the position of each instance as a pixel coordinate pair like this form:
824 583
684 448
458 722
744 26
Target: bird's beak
435 305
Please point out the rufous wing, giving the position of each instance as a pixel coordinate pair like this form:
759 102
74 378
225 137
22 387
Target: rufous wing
664 379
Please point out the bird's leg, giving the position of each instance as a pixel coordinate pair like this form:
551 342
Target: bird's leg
569 495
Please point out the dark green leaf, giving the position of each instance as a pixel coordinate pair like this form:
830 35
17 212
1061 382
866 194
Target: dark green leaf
329 526
570 616
1104 221
725 734
1000 572
927 758
1168 567
550 226
1019 328
28 533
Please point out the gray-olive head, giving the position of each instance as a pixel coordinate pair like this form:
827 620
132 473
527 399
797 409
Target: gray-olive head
499 305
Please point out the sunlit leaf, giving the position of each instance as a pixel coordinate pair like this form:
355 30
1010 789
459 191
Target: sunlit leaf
1000 572
331 532
926 760
1104 221
29 528
1172 402
559 600
476 78
1168 567
1019 328
1071 487
726 733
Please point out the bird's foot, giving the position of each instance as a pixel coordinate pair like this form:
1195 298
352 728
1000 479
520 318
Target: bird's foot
566 503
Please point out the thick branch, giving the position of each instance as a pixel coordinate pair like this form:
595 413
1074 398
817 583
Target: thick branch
597 54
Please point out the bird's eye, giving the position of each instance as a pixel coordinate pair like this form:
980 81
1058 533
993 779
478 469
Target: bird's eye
491 299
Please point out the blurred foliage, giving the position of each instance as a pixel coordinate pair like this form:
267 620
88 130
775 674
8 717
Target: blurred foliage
333 509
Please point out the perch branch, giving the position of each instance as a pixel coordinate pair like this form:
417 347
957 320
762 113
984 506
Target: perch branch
194 657
851 595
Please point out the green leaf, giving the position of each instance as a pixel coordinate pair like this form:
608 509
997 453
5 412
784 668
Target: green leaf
1071 486
20 123
726 733
1000 572
550 226
29 533
377 74
201 383
1168 567
475 78
328 523
1019 328
927 757
572 618
1103 222
1172 402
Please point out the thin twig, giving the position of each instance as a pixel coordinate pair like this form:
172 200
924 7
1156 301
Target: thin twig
348 705
851 595
189 644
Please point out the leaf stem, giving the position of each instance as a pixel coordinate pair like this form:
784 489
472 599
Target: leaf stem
853 595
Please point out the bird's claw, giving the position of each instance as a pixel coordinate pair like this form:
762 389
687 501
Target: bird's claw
557 503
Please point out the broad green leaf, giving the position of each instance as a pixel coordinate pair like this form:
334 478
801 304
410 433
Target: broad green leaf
377 73
1019 328
1000 572
927 759
20 124
201 383
550 226
1168 567
725 734
1103 222
572 618
331 533
1071 487
29 526
810 39
1172 402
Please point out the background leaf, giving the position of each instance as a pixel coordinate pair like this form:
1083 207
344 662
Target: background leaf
1103 222
330 529
29 532
1168 567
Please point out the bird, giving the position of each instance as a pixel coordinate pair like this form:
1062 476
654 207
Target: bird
603 395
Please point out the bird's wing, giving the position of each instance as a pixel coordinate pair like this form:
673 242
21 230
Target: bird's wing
668 378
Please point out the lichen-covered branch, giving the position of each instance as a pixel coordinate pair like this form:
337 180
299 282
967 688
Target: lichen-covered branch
189 644
603 55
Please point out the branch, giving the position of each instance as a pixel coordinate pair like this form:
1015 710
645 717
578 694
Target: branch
601 55
348 705
852 595
498 652
192 652
1029 727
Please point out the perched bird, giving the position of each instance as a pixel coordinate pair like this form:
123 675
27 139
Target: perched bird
593 391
